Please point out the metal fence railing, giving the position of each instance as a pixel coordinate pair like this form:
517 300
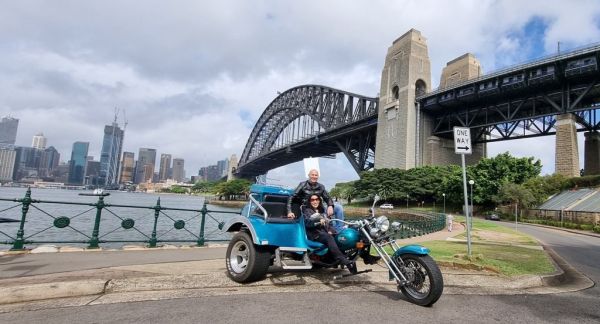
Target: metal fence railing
93 224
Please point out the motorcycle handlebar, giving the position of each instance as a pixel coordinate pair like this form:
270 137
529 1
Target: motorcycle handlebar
345 222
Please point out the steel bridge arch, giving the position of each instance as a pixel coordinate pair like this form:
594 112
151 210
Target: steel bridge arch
330 108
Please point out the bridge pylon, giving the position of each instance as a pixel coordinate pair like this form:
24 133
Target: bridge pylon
406 73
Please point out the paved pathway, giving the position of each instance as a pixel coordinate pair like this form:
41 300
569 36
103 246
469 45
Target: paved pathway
127 275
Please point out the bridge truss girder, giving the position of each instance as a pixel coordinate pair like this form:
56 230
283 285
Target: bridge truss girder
521 101
527 114
311 120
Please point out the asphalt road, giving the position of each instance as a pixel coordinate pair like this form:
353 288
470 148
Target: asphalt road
580 251
352 307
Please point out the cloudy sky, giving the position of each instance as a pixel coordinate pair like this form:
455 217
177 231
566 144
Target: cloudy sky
194 76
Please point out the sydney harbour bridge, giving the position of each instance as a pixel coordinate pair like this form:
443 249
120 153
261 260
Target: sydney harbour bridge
409 125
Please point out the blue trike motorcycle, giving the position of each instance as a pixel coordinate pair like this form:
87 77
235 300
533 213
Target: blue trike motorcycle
265 237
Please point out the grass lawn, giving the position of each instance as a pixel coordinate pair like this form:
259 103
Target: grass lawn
508 260
493 247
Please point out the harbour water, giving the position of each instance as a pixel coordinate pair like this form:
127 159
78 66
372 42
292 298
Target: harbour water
39 226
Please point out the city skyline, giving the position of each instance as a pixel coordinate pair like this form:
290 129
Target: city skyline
18 162
198 77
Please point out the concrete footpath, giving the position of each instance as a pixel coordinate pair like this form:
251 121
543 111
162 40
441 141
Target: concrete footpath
55 277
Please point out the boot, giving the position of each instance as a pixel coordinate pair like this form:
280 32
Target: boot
368 258
351 266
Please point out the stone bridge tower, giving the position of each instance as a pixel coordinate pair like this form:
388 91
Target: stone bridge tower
404 137
440 151
406 74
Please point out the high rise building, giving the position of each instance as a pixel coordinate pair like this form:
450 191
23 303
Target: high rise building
209 173
48 162
77 163
165 166
127 167
92 173
39 141
222 167
178 170
146 157
110 157
8 130
8 155
27 163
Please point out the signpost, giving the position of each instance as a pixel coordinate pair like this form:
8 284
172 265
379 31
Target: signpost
462 146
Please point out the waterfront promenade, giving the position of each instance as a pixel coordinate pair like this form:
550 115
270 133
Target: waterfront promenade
44 278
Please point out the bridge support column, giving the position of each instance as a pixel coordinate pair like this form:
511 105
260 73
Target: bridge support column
567 152
591 164
440 151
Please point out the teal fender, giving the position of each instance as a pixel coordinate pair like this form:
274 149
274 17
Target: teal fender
412 249
409 249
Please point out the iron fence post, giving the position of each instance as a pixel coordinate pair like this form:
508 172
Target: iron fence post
156 213
203 211
19 242
96 231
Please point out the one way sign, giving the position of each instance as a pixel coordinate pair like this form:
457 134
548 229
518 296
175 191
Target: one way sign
462 140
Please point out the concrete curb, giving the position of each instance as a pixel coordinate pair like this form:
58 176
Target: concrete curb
42 291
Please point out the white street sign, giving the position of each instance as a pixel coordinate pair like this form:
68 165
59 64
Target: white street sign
462 140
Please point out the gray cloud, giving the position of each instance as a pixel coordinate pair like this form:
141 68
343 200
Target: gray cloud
193 76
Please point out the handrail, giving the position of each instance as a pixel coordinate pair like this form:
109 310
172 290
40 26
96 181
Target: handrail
71 226
265 214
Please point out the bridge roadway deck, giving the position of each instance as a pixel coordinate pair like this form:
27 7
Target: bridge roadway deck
48 280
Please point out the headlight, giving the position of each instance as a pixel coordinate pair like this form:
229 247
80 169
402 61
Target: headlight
382 224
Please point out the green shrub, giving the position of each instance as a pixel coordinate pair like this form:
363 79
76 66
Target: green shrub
596 229
586 227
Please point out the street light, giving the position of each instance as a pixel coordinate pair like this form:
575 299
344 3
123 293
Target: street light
471 182
406 201
444 194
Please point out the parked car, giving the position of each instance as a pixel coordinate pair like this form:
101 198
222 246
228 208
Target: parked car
492 216
387 206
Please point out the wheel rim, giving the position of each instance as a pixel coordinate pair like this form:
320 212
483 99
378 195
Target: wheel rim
420 283
238 259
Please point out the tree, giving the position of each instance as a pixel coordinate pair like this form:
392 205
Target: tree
516 194
544 187
204 186
491 174
233 188
344 190
178 189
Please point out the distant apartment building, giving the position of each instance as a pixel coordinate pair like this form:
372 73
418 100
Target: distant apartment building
92 173
144 169
8 155
110 156
222 167
61 173
178 170
39 141
8 130
78 162
165 167
27 163
209 173
127 167
48 162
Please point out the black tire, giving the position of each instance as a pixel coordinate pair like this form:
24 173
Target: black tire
426 282
245 261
